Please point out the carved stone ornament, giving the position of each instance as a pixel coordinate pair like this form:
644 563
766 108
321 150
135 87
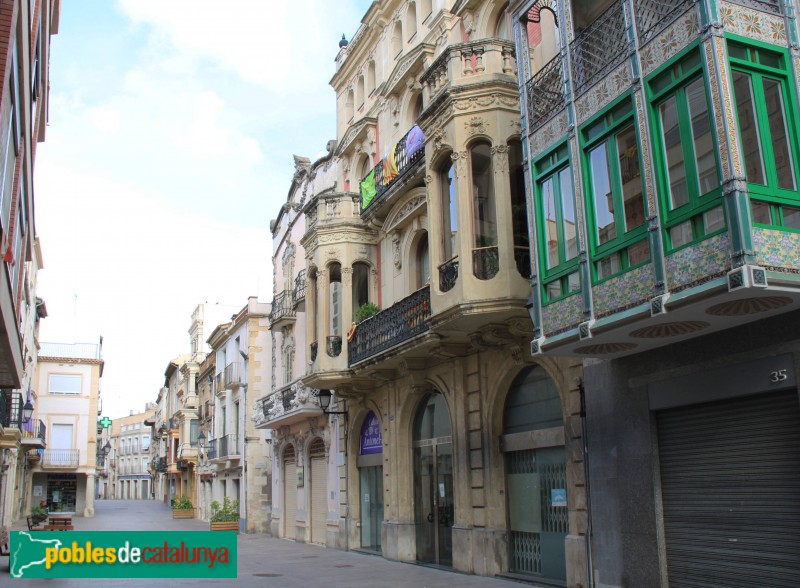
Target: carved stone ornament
459 164
396 249
346 276
475 125
500 156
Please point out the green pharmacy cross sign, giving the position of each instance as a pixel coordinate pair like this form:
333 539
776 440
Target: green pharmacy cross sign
105 422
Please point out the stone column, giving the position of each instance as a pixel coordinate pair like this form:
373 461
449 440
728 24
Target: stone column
88 510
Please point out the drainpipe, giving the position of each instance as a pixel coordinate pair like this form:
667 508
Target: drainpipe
585 441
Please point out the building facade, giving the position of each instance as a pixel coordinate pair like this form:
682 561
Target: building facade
662 158
130 440
27 29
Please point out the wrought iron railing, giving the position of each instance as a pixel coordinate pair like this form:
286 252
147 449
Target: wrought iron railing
299 292
233 374
11 409
160 464
653 16
522 257
334 345
448 274
285 401
771 6
211 450
228 445
218 384
599 49
282 307
400 322
546 93
386 173
66 458
314 348
485 262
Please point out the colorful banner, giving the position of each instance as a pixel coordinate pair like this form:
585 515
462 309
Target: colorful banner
123 554
371 439
368 190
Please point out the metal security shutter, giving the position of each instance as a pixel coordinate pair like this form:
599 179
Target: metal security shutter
730 483
289 494
319 490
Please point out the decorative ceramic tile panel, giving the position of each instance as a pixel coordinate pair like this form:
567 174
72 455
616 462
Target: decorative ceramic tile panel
624 291
726 93
692 264
670 41
562 315
751 23
611 86
777 249
716 110
548 134
649 179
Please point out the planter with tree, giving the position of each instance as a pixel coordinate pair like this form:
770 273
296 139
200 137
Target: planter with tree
225 517
182 508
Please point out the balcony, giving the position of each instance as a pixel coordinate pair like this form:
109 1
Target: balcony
234 376
11 404
286 406
299 292
282 310
211 451
160 464
404 163
219 386
34 434
391 327
61 458
226 447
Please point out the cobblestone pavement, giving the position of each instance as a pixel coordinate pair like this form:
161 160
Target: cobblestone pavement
264 561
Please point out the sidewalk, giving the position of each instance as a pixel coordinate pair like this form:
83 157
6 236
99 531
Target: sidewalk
264 561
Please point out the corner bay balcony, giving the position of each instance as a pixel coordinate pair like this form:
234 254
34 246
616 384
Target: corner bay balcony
225 447
391 327
286 406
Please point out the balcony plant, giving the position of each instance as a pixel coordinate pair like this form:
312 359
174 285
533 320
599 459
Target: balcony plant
225 517
365 311
182 508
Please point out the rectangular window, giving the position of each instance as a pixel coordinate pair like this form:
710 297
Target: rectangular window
685 150
557 225
64 384
145 442
194 432
615 192
765 111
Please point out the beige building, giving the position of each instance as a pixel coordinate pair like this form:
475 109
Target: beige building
130 442
68 384
448 430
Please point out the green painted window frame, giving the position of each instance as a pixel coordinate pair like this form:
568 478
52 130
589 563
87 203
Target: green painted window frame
777 215
546 167
684 69
757 70
617 117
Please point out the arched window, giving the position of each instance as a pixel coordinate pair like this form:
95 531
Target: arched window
348 106
397 39
449 211
422 261
544 38
313 308
360 285
335 327
519 209
425 7
411 21
370 78
484 225
416 109
501 29
360 93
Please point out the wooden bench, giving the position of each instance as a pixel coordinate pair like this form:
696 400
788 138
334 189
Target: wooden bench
59 523
34 522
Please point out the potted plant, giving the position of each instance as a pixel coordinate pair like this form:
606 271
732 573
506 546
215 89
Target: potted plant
365 311
225 517
182 508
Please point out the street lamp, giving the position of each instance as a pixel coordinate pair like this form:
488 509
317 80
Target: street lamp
106 449
324 397
27 412
201 440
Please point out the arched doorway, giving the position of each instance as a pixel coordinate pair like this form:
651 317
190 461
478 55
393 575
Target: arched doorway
319 490
289 492
434 510
536 476
370 473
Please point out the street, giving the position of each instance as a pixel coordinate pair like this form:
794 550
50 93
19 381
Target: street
263 561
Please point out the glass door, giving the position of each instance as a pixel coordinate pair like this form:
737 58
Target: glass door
434 508
371 507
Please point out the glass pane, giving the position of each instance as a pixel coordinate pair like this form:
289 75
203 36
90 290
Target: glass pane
485 218
748 128
424 504
713 220
449 212
553 289
445 507
601 190
568 214
791 217
550 222
770 59
608 266
761 213
631 178
673 151
773 95
701 131
433 419
737 51
638 253
573 282
681 234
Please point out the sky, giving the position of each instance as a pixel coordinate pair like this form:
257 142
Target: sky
169 147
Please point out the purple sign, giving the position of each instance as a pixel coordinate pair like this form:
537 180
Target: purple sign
371 439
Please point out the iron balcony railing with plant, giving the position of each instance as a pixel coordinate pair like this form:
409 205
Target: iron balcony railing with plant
11 409
227 445
299 292
282 307
448 274
390 169
485 262
334 345
65 458
398 323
